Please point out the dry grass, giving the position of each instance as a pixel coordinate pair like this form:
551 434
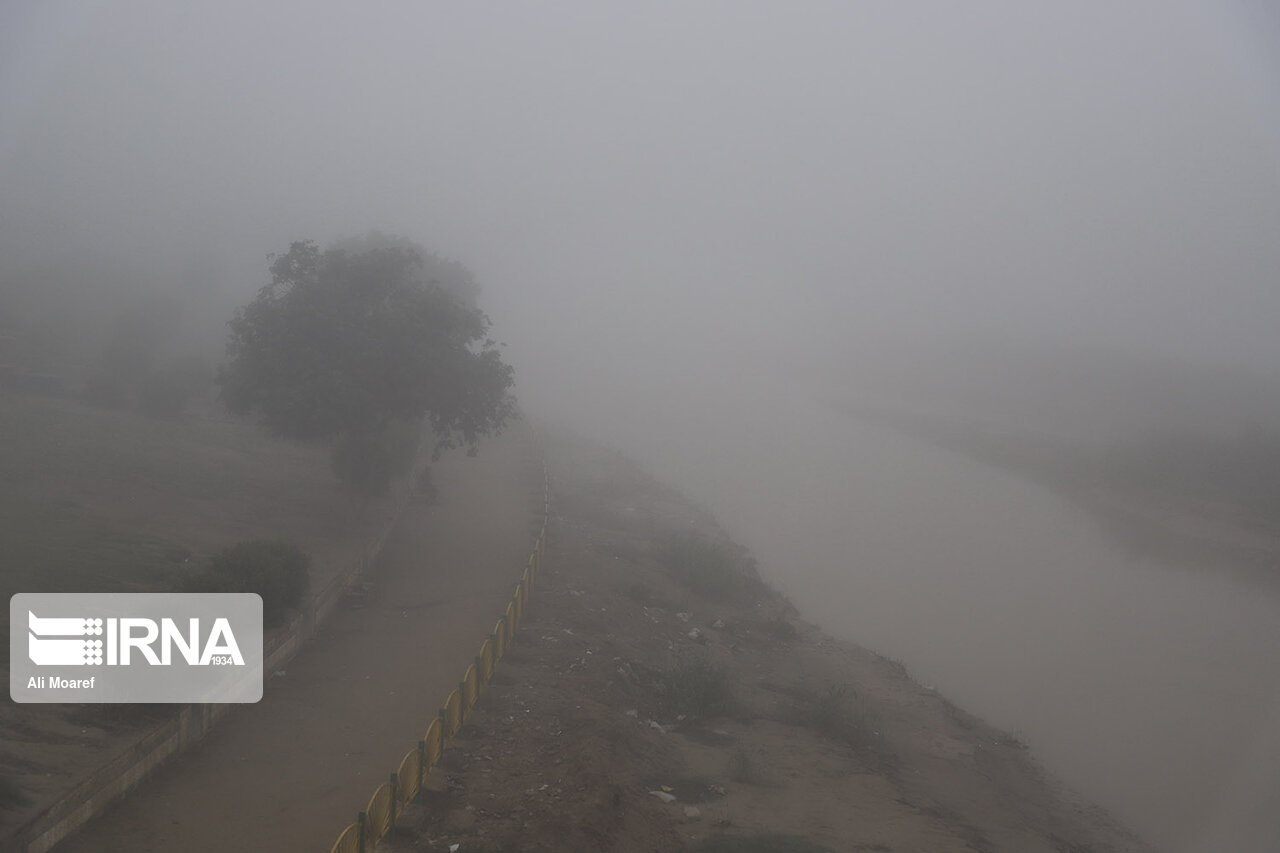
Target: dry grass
698 689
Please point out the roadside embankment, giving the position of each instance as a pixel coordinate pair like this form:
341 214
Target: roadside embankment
660 697
107 501
291 771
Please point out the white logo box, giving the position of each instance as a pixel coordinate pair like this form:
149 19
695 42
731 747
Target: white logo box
135 647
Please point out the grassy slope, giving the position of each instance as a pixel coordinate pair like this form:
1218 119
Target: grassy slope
95 500
102 501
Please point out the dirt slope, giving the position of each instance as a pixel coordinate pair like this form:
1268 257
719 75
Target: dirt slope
288 773
824 743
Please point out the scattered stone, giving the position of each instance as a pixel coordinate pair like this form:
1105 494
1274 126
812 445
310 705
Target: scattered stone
692 811
664 796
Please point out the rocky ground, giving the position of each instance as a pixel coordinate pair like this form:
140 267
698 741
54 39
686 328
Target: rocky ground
659 697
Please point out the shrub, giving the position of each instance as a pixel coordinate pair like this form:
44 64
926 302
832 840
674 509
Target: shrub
277 571
829 712
697 688
743 768
703 566
779 628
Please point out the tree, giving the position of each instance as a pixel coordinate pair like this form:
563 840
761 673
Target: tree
342 344
449 275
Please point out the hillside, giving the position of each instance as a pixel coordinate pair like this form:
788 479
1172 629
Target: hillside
654 701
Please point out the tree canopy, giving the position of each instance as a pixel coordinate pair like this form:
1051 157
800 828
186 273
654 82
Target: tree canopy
447 274
342 343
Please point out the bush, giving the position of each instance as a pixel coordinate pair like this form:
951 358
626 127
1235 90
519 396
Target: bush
697 688
743 768
779 628
703 566
829 712
277 571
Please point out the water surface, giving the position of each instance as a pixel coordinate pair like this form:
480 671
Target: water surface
1152 689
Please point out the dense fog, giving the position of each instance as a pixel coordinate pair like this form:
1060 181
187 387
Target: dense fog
651 193
714 235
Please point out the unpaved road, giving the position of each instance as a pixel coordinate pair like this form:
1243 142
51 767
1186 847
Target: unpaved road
288 773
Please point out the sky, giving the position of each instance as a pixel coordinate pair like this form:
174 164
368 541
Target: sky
669 195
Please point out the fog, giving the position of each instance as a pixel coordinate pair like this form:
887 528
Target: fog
675 185
700 226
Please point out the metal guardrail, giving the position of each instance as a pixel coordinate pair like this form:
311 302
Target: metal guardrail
391 797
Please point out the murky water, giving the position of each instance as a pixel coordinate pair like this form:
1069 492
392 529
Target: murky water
1153 690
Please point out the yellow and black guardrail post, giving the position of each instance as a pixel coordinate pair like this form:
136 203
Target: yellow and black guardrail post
391 797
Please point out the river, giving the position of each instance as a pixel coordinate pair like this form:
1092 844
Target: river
1152 690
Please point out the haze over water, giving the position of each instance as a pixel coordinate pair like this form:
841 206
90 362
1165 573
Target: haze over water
1151 688
697 223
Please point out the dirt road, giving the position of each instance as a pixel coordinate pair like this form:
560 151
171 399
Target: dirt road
288 773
